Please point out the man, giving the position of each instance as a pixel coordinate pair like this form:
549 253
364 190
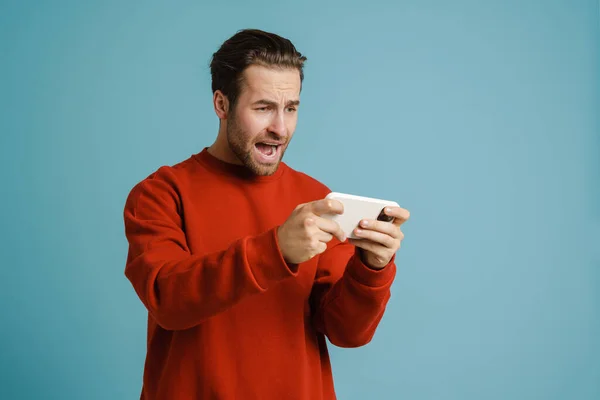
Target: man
241 276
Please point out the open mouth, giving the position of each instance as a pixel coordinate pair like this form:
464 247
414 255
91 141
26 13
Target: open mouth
267 151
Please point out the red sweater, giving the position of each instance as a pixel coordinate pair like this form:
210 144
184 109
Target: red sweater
228 318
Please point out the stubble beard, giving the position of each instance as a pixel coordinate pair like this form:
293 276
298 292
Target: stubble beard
244 151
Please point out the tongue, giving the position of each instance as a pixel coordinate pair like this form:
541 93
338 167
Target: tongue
265 149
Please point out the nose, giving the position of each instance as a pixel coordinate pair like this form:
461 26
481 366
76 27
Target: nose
277 125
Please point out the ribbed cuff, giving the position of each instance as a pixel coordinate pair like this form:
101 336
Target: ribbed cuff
266 260
369 276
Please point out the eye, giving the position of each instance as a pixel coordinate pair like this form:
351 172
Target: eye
291 109
261 109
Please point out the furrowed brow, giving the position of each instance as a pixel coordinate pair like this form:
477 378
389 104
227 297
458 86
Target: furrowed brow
264 102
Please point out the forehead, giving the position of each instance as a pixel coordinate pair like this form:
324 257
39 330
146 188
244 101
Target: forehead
260 81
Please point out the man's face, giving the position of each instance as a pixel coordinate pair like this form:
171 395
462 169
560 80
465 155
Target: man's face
261 126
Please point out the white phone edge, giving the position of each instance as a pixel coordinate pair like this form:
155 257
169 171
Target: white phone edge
333 195
341 196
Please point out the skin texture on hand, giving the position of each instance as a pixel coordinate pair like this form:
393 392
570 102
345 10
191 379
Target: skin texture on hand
380 240
305 233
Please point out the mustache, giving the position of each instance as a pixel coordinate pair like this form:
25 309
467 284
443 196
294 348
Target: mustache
273 139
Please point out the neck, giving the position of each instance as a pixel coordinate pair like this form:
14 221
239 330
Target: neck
220 148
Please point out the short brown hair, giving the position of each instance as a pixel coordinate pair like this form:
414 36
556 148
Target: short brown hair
251 47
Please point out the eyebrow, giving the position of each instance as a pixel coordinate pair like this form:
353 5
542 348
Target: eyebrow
271 103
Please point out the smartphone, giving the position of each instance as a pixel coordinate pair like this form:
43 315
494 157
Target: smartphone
357 208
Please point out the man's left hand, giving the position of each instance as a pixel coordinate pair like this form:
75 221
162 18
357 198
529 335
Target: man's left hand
380 240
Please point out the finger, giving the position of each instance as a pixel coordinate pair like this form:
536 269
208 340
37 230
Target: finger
375 248
327 206
377 237
331 227
309 223
380 226
401 215
321 248
323 236
315 225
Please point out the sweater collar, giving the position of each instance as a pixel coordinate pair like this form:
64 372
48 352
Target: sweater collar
233 170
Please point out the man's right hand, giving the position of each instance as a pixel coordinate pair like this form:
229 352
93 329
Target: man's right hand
305 233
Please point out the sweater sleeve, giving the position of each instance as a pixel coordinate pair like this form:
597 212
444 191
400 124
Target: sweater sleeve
180 289
349 298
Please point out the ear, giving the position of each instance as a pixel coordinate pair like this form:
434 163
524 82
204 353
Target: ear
221 104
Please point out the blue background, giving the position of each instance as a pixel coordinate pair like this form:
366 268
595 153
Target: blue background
480 117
